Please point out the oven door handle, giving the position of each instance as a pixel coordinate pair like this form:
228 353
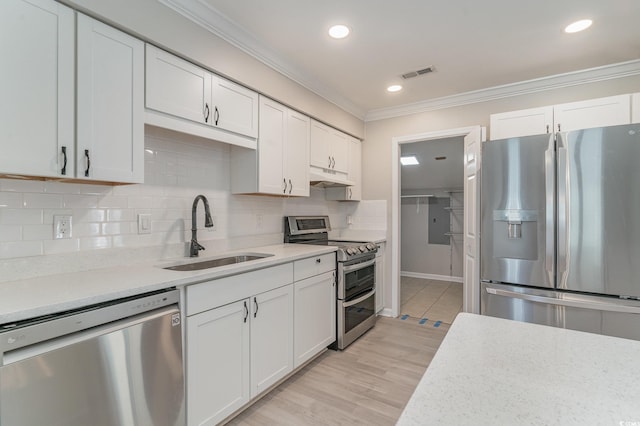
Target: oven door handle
350 268
359 299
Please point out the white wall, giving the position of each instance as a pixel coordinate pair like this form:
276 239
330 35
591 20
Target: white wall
154 22
177 168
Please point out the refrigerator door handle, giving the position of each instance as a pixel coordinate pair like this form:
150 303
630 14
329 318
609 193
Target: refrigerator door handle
563 216
549 184
608 307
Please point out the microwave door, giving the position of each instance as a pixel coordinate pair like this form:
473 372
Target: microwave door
517 211
599 210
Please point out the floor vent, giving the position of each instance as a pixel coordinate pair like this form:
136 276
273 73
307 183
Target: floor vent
413 74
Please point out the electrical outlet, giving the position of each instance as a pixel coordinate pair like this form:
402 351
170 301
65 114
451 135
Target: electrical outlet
144 223
61 226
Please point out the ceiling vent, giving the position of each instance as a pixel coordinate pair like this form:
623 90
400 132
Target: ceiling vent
413 74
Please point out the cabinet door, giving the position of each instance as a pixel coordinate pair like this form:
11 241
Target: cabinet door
355 169
526 122
273 118
296 154
218 363
339 151
110 111
235 107
271 338
319 145
380 281
635 108
601 112
36 87
177 87
314 315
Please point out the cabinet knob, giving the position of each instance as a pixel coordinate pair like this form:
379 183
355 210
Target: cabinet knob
318 260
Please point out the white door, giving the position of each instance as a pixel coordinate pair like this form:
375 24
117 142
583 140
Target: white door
601 112
273 119
218 359
296 154
177 87
380 278
110 104
37 88
472 149
355 170
235 108
271 337
526 122
314 316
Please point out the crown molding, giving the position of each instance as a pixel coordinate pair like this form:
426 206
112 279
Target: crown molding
575 78
219 24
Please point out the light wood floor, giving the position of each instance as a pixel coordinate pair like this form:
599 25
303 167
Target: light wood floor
369 383
431 299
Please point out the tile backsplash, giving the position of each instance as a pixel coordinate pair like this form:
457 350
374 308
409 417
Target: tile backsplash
177 168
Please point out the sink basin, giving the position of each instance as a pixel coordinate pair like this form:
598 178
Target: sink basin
215 263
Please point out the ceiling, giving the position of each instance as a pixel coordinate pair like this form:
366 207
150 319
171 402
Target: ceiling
447 173
472 44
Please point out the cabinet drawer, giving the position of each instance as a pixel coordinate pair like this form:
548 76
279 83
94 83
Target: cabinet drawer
211 294
315 265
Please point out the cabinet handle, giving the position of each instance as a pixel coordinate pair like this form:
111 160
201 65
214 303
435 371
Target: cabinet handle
206 112
64 164
86 154
216 115
246 311
290 186
329 161
284 181
255 302
547 128
558 126
350 193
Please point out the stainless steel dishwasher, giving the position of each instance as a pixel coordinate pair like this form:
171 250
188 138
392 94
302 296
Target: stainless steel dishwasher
118 363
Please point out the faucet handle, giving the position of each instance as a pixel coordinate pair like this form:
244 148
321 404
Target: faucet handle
195 248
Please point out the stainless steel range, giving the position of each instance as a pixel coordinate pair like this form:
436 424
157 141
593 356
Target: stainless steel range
356 271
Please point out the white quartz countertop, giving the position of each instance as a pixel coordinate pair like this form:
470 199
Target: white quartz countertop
491 371
372 236
29 298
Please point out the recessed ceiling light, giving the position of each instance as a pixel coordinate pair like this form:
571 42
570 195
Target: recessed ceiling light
409 160
578 26
339 31
394 88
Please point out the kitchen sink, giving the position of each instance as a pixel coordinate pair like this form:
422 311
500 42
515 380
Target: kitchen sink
217 262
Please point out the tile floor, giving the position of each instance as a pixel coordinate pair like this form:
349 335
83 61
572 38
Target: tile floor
432 299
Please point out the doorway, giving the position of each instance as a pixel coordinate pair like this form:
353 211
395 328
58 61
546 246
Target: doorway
431 223
472 136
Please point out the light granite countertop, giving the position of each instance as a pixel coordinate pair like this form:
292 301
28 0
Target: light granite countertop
33 297
373 236
491 371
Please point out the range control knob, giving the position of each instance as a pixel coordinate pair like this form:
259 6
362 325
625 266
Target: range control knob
371 246
363 248
351 251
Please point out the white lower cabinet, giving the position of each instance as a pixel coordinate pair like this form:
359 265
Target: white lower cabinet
271 338
218 363
315 316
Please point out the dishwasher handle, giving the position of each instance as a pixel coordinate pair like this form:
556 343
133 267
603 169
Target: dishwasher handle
45 346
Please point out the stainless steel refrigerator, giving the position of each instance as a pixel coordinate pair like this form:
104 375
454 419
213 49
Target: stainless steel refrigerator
560 230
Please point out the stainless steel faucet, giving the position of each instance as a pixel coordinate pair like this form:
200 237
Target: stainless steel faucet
208 223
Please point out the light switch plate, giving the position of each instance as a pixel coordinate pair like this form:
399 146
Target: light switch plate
144 223
61 227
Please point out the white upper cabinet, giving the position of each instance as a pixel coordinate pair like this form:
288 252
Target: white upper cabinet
177 87
526 122
280 165
37 88
353 192
635 108
329 148
610 111
601 112
110 104
215 108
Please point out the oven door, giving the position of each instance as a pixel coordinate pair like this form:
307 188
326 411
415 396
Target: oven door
355 317
356 278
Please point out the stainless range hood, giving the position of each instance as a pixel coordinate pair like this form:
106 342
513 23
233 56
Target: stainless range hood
322 178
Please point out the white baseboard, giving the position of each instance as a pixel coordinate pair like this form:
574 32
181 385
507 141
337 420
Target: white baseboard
386 312
431 276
